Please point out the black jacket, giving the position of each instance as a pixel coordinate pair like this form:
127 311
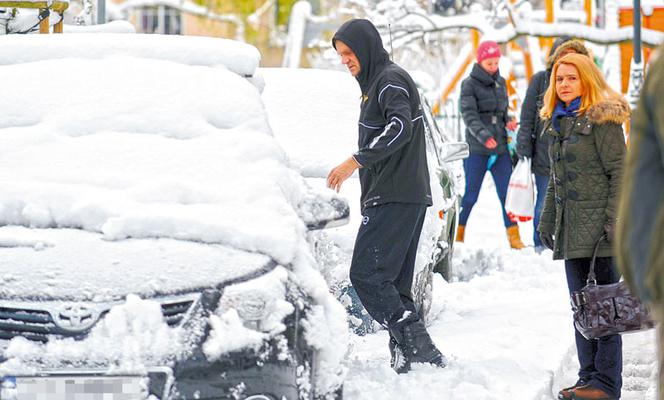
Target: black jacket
531 140
484 110
391 139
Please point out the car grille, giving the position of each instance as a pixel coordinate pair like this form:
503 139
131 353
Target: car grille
31 324
35 321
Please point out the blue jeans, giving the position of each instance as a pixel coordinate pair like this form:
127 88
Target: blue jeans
475 167
541 181
600 360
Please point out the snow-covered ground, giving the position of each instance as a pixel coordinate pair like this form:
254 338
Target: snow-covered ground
505 326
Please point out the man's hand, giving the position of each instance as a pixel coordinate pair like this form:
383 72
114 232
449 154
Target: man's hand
491 143
341 172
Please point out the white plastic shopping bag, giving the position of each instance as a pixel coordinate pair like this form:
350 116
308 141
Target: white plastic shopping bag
520 202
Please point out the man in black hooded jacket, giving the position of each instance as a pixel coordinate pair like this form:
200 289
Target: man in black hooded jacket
394 179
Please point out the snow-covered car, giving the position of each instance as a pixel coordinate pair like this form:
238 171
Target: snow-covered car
153 236
314 115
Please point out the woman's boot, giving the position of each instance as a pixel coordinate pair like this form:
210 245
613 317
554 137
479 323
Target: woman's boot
514 237
460 233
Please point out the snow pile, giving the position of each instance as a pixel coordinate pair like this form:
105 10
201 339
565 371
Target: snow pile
229 334
127 337
261 302
237 57
470 262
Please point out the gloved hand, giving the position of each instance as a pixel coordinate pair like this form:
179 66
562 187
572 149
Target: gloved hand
547 240
610 230
490 143
512 125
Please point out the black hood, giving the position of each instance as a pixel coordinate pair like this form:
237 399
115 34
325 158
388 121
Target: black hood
363 38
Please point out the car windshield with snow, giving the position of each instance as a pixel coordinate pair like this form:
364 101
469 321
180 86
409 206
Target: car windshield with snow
153 236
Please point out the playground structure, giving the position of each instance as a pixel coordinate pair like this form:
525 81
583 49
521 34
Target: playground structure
618 31
526 36
45 9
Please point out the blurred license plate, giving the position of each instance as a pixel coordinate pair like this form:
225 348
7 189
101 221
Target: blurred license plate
74 387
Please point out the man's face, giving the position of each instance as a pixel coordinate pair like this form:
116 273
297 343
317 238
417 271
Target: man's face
348 58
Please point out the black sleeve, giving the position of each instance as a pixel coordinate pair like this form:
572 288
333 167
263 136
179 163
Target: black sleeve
526 136
470 113
394 99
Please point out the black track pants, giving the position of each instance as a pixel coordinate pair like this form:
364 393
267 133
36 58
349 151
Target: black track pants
384 258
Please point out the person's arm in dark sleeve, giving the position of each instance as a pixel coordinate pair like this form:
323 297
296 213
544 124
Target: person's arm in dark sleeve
394 100
471 115
548 217
529 111
639 229
611 148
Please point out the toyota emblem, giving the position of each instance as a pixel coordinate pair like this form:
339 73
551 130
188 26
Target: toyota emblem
75 317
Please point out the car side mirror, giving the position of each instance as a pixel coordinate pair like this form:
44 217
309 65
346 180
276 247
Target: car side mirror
323 210
455 151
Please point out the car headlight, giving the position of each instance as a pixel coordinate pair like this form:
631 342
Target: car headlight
261 302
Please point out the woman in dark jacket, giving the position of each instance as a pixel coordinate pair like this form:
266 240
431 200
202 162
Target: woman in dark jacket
584 117
530 141
484 110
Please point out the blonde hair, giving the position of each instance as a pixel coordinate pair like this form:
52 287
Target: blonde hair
594 88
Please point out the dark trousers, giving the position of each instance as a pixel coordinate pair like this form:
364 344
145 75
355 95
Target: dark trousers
541 181
384 259
600 360
475 166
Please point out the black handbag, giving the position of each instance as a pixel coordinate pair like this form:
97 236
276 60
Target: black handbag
601 310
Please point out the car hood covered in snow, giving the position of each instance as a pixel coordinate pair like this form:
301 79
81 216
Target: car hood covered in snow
74 265
153 146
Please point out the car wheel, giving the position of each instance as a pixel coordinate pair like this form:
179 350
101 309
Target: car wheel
444 264
422 290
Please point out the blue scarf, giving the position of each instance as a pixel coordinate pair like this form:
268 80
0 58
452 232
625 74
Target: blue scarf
561 111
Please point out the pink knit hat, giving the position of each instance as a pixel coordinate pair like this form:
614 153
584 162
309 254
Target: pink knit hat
488 49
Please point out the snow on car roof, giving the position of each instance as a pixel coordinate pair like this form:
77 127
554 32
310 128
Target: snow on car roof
143 147
237 57
325 130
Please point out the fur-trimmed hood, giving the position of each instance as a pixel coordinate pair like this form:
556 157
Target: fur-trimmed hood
609 110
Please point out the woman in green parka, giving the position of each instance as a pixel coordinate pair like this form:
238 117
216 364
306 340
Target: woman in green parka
584 116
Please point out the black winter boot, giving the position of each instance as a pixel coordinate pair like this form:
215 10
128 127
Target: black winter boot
398 361
417 346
